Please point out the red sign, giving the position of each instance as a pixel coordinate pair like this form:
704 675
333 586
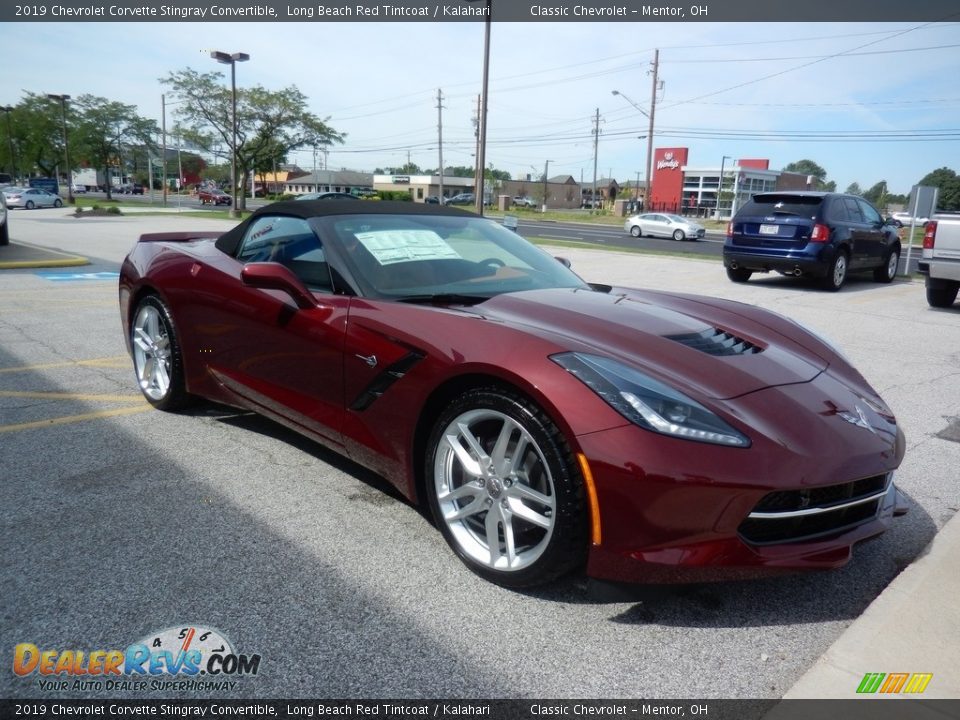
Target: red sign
667 188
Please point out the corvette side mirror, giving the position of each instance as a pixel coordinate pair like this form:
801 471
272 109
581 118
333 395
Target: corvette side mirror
274 276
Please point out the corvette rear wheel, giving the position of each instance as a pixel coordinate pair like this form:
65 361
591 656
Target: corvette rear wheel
505 490
156 355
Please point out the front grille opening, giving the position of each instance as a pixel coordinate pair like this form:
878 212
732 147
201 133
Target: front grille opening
813 513
715 341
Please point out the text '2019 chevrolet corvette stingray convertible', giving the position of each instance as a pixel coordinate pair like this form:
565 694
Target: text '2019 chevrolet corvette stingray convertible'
548 423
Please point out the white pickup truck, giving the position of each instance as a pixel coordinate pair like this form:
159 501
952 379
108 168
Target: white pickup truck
941 259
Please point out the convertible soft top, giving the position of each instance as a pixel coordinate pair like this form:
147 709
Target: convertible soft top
230 241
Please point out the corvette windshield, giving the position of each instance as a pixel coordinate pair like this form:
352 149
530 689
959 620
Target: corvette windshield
417 257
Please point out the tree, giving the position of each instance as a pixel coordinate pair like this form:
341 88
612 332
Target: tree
269 123
37 129
853 189
948 183
103 127
809 167
877 194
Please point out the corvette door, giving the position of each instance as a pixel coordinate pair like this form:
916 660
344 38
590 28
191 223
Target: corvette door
279 359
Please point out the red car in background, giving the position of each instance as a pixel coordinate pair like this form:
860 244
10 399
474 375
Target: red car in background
548 423
215 196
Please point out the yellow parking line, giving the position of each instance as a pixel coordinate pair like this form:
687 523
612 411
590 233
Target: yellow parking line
112 361
69 396
75 418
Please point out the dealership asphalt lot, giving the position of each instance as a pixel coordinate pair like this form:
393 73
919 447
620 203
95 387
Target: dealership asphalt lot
118 521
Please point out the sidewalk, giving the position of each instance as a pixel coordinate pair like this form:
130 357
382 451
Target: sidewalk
19 255
912 627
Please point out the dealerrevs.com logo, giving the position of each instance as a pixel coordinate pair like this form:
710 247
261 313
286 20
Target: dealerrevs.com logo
188 657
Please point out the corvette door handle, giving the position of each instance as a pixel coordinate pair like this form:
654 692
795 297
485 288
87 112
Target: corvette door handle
370 360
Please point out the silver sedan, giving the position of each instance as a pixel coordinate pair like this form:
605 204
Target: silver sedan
663 225
30 198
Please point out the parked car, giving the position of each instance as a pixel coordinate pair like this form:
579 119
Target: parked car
524 201
215 196
462 199
491 384
29 198
78 189
905 219
326 196
129 189
431 200
814 234
4 221
663 225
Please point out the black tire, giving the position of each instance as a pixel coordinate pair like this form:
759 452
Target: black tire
888 271
28 205
941 294
157 358
636 231
679 235
739 275
536 493
5 231
58 203
837 273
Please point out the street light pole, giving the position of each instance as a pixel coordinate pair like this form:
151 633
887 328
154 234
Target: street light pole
13 160
720 185
232 60
648 169
66 144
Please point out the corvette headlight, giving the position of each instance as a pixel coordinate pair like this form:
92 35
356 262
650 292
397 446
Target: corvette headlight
647 402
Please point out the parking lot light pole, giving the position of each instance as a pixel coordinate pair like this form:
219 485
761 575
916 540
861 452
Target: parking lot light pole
720 185
232 60
66 144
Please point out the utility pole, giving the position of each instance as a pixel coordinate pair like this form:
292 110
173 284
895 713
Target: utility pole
163 115
477 167
440 140
546 170
653 105
596 142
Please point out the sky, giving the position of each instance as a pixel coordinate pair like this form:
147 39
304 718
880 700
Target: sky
867 101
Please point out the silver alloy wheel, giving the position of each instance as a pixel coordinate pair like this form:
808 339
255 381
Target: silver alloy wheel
151 352
494 490
892 264
839 270
636 231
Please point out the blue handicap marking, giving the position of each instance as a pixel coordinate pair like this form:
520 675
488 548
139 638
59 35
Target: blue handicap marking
73 276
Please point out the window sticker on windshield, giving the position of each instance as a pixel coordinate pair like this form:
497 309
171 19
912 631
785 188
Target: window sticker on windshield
394 246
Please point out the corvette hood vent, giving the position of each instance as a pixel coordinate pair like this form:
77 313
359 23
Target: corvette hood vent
714 341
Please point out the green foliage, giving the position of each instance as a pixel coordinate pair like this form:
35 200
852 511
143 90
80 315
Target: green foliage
853 189
877 193
948 183
270 123
807 167
402 195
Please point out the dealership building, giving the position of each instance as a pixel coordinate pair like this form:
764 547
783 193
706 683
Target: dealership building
679 187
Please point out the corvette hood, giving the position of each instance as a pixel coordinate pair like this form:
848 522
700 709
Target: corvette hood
686 341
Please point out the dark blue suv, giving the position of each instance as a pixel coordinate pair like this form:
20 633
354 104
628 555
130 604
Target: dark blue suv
814 234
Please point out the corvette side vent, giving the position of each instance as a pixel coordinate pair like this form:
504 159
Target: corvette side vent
714 341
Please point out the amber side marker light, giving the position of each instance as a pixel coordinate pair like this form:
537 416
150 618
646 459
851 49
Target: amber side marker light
595 534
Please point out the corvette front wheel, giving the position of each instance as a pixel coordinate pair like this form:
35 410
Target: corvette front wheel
505 490
157 359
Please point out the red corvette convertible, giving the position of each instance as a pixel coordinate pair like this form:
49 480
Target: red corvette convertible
547 422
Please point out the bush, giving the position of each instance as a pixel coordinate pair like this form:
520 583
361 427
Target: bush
401 195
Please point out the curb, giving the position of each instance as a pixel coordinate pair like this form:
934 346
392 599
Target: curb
33 256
